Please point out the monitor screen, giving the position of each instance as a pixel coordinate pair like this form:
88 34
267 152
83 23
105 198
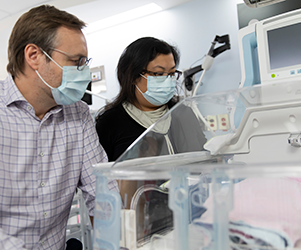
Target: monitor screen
284 45
279 47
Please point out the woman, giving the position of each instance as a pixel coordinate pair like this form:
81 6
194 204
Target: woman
147 76
145 64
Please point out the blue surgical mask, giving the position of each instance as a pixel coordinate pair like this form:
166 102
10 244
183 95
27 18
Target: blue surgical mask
160 89
73 86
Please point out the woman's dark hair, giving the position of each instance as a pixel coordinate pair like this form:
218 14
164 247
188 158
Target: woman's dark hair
133 61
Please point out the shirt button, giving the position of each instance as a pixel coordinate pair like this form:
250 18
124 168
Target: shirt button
45 214
42 242
42 154
42 184
29 107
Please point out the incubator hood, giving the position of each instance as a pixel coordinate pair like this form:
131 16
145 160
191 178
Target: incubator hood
257 124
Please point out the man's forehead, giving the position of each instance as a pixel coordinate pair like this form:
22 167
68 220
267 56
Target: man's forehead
71 41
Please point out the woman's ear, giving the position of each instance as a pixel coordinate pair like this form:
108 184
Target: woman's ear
137 80
33 55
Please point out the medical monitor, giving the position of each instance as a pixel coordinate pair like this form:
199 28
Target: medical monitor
279 47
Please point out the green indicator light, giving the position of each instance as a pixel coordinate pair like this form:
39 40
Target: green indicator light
273 75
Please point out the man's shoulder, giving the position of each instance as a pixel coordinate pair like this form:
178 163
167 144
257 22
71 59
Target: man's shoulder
80 105
79 109
3 88
8 90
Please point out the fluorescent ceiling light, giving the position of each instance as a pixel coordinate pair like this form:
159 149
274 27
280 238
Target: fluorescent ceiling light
123 17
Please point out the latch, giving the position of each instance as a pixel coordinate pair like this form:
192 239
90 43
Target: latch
295 140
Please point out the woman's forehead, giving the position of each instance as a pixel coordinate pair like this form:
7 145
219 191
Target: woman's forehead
163 62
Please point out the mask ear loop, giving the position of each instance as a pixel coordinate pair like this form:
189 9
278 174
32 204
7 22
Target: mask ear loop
139 90
137 86
51 58
44 80
143 76
52 61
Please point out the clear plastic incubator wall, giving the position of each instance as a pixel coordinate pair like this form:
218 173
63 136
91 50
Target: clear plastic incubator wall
219 171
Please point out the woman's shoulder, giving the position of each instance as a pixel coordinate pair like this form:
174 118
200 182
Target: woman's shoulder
112 116
111 112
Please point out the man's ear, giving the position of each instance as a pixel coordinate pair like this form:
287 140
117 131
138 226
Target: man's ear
33 55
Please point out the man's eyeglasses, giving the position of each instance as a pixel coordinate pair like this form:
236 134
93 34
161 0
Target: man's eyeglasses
176 73
82 62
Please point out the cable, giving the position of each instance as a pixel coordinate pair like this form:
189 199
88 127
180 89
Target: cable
100 96
199 83
197 61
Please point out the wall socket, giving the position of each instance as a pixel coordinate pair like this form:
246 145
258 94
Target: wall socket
212 122
223 122
220 122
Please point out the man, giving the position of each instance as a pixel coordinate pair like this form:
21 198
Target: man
48 142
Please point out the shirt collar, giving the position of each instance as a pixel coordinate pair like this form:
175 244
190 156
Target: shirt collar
13 95
12 92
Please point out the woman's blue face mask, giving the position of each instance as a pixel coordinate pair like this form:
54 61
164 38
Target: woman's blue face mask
160 89
73 86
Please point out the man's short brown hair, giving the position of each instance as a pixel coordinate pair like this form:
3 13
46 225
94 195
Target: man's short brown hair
38 26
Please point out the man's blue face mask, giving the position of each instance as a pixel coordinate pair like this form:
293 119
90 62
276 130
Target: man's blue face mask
73 86
160 89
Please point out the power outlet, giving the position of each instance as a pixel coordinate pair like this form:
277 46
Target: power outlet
212 122
223 122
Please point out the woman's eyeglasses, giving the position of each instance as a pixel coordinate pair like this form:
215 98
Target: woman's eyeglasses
176 73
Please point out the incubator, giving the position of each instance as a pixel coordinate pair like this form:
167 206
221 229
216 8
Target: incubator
225 174
220 189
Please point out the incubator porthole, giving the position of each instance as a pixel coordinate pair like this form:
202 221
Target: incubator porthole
292 118
289 89
252 93
255 123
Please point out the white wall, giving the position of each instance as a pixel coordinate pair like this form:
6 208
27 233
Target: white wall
191 27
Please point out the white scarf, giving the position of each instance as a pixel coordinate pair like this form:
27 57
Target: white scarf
147 118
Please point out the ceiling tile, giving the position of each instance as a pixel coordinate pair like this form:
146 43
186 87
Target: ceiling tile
16 6
3 15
